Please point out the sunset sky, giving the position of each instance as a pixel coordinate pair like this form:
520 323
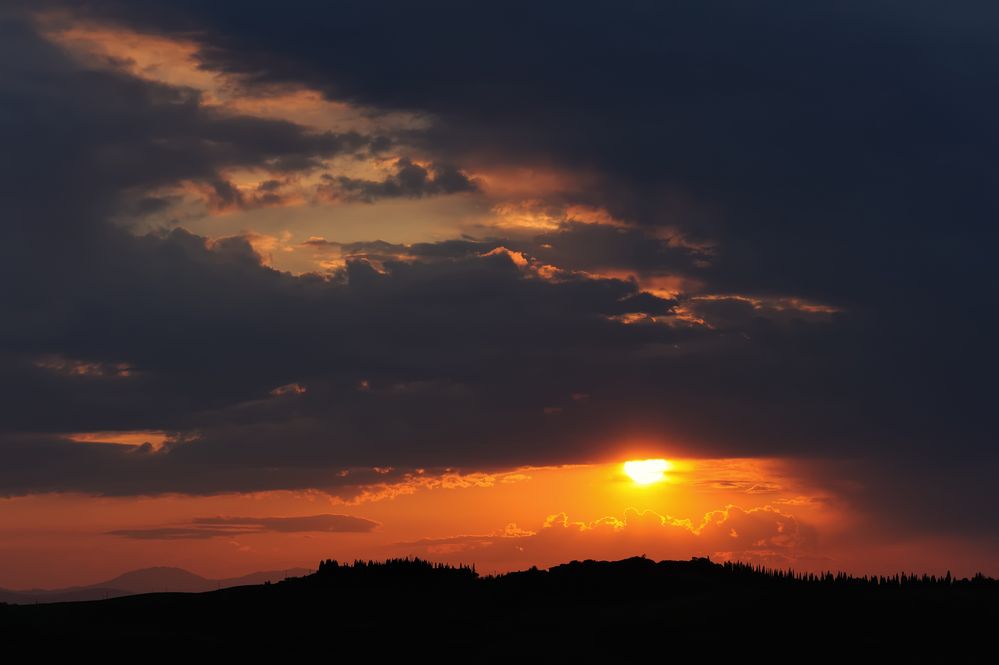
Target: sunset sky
298 280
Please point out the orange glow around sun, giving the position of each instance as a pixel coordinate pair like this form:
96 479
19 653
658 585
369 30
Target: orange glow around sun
758 510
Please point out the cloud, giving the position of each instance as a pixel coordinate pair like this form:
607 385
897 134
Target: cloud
763 535
410 180
844 165
213 527
119 136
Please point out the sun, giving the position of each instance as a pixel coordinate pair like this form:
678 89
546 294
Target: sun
646 471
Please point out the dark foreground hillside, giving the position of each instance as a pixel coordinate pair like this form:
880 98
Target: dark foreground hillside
578 611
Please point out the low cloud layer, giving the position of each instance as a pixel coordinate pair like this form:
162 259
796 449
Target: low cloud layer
214 527
760 535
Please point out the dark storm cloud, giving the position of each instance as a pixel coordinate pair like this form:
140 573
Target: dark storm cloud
573 246
838 154
235 331
409 180
596 247
223 195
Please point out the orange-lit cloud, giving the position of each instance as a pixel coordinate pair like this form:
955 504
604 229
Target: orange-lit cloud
527 184
176 61
718 311
154 438
538 215
763 534
421 480
59 364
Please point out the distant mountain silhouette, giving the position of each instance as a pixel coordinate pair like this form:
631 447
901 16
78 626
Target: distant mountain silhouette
144 580
610 611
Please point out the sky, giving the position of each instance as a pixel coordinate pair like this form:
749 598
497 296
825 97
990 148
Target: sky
367 279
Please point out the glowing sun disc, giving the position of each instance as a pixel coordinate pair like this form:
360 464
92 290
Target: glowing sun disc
646 471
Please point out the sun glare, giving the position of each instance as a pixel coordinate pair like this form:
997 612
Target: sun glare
646 471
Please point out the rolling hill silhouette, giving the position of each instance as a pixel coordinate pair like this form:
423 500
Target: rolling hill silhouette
144 580
571 611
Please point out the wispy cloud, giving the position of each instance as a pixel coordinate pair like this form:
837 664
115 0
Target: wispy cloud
213 527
